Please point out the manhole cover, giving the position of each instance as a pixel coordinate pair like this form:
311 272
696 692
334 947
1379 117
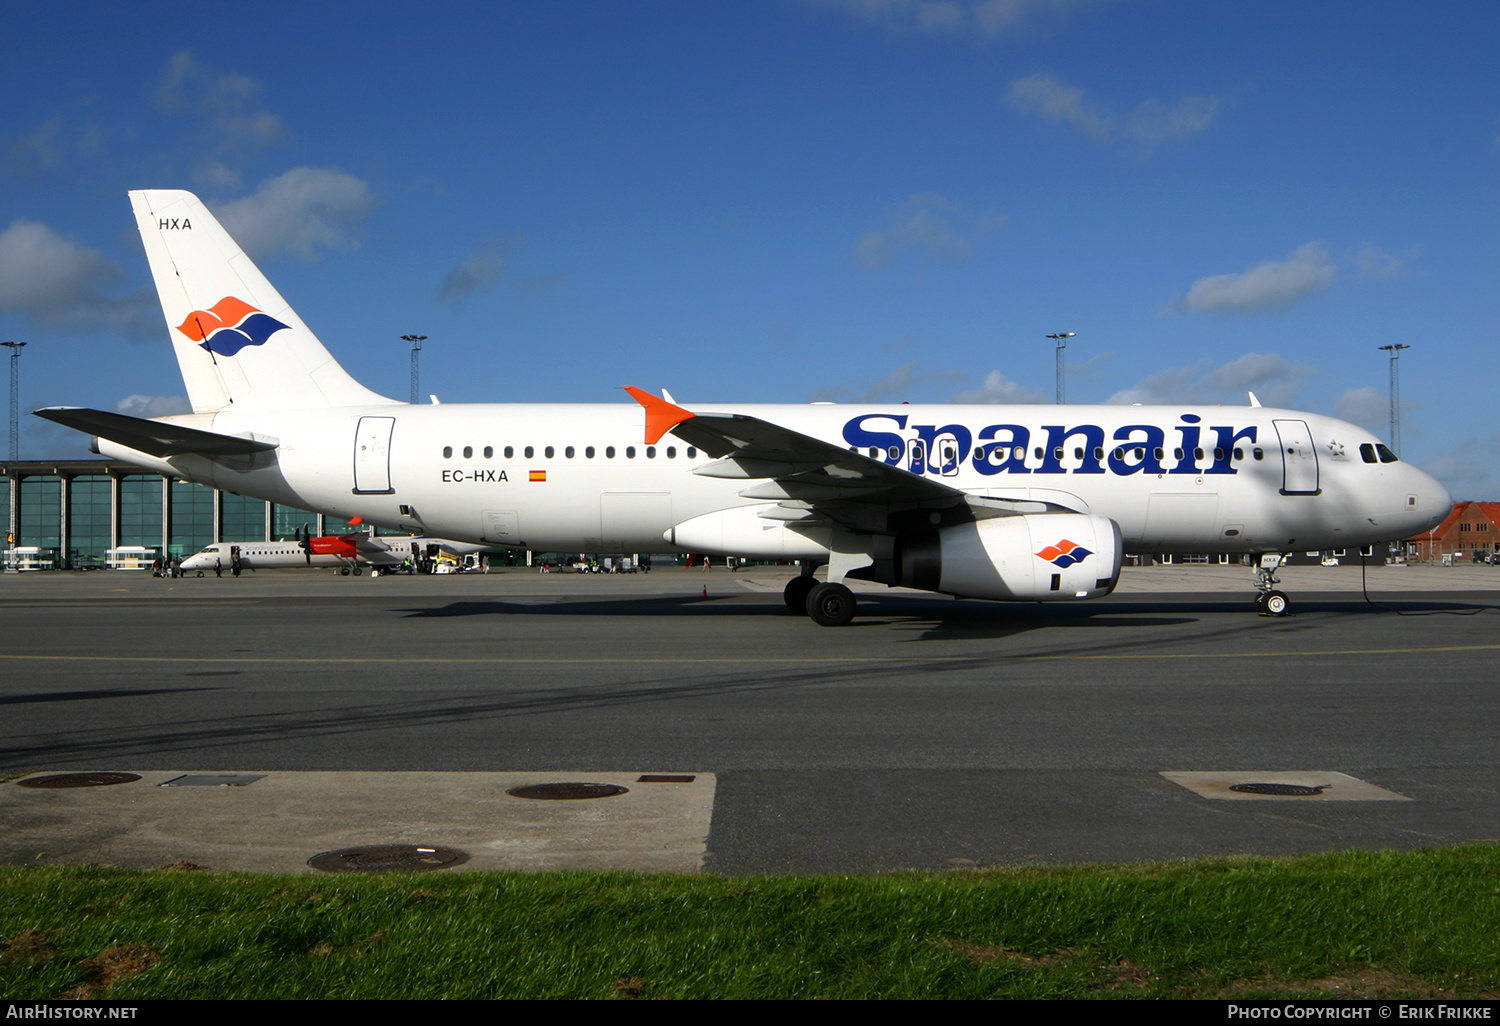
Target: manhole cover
79 780
387 858
563 792
1284 790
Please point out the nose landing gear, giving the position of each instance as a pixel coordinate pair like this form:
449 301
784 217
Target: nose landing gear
1269 601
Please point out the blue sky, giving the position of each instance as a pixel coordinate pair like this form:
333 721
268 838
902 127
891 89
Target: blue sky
785 200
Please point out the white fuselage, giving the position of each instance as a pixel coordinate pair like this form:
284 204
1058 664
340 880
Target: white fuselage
581 478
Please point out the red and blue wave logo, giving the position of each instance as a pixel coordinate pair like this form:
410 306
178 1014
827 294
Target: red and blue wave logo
1064 554
229 325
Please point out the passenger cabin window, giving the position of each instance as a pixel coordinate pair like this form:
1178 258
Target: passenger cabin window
468 452
530 452
650 452
609 452
447 452
510 451
671 452
692 453
568 452
589 452
549 452
630 452
489 452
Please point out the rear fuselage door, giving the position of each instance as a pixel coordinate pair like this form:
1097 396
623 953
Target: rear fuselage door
372 456
1299 460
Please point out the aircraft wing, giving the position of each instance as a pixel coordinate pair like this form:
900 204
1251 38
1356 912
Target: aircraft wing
374 552
813 480
153 437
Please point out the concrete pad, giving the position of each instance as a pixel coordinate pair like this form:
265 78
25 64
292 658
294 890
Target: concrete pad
275 824
1341 787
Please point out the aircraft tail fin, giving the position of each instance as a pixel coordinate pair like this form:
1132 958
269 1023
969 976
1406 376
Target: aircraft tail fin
238 343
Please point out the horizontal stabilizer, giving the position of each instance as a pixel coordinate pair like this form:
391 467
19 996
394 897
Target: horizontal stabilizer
153 437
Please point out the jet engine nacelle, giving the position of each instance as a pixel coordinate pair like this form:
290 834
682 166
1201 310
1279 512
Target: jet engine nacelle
1033 557
742 531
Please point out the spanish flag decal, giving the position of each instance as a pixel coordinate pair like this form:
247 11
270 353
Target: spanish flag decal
539 475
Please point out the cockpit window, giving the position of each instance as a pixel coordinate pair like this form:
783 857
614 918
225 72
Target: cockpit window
1367 453
1386 456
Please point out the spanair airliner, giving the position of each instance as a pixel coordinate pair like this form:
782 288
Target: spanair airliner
1021 503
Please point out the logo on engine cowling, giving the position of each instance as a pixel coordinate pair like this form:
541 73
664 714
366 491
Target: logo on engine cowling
1064 554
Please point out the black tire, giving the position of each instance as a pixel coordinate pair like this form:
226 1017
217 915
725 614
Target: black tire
1277 604
357 571
200 573
831 605
343 571
796 593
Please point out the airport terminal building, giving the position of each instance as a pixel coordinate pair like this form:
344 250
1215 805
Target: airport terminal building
81 509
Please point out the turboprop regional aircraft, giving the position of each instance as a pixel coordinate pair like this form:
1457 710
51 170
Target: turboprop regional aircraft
347 552
994 502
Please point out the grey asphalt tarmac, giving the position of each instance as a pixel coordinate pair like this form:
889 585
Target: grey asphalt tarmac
929 734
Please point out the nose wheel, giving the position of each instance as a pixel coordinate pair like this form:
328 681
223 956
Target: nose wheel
1270 602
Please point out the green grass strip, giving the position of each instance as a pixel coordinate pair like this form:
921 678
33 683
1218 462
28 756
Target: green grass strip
1348 924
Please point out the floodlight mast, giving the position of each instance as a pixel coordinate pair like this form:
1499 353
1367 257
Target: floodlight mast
15 396
1061 338
416 347
1395 351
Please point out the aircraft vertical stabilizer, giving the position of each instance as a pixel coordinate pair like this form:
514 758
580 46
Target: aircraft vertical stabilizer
239 344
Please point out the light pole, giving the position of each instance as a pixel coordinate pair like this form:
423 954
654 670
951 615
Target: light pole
1395 351
15 449
416 347
15 395
1061 338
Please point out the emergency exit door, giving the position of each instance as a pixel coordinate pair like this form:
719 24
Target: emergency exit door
372 456
1299 460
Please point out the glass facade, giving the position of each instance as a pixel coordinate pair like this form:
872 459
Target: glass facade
104 499
286 521
41 511
338 525
90 519
242 518
192 518
140 510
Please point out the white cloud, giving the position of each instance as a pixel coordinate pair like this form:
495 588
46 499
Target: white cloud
1271 285
1050 100
1374 263
1149 125
973 18
1368 407
229 102
899 383
1275 381
927 221
60 284
153 405
482 270
1471 469
997 388
1152 122
302 211
53 145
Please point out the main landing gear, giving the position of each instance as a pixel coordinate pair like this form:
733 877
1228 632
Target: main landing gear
1269 601
829 604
